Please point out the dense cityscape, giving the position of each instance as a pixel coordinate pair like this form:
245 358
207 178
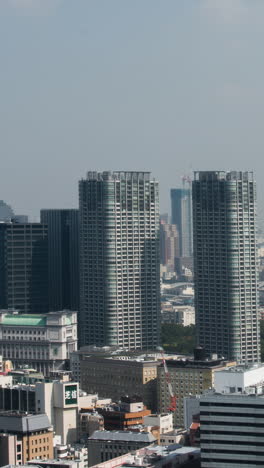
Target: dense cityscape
131 234
130 337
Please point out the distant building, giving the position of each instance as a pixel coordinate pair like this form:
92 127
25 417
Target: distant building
169 245
181 216
119 260
41 341
183 315
187 377
24 437
63 257
225 264
104 445
24 267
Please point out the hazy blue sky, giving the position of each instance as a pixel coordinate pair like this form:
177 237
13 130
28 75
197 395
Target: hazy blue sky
169 86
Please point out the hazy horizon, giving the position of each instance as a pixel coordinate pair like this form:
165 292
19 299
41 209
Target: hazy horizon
166 86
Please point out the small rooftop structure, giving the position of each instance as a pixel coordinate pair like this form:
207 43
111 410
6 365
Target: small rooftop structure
125 436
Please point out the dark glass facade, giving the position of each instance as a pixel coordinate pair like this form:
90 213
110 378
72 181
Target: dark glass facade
63 258
24 267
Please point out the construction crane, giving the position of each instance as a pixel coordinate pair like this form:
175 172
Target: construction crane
186 178
172 406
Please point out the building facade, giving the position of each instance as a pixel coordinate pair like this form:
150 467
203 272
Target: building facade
119 260
41 341
24 267
63 257
225 264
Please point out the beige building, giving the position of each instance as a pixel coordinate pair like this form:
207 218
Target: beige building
189 377
115 377
24 437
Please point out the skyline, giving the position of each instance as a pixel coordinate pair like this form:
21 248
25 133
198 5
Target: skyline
169 87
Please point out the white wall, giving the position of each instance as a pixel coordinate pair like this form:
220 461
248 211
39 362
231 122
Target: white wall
224 380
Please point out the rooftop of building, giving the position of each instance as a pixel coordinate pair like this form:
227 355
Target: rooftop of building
13 422
53 461
15 318
243 368
223 175
118 175
124 436
193 363
149 456
250 396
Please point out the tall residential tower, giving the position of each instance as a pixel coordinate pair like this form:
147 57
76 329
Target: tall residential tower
225 264
119 260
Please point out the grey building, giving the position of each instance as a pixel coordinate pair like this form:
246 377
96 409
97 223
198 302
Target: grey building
119 260
232 430
104 445
63 257
181 216
225 264
24 267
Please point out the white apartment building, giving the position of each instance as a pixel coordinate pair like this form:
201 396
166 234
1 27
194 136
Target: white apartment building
41 341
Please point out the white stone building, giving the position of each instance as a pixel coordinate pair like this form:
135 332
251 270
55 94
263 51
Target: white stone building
41 341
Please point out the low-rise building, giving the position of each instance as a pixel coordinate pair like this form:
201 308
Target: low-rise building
24 437
156 456
129 412
176 436
57 463
163 421
104 445
41 341
182 315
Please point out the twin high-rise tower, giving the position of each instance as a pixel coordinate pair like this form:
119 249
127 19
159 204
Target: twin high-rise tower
119 260
225 264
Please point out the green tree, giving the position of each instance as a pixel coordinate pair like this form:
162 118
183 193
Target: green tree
177 338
